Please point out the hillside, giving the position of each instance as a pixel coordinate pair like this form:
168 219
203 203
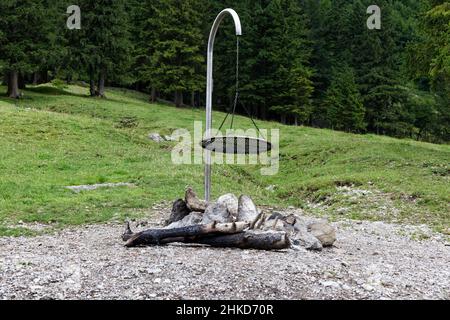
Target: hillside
54 138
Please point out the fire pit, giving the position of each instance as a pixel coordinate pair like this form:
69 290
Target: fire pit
234 222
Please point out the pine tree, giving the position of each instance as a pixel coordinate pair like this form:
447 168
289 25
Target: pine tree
24 39
176 54
434 52
107 37
291 87
274 60
343 103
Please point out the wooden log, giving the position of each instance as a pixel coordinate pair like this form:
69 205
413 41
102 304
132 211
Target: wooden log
249 240
268 240
193 202
156 236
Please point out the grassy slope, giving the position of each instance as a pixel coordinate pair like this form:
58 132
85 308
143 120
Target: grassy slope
53 138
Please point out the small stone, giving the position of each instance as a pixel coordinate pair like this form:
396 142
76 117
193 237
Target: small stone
368 287
170 138
324 232
330 284
157 280
156 137
154 271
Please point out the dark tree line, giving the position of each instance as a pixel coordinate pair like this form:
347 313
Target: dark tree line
302 62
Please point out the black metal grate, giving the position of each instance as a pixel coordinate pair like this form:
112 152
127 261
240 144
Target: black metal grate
236 145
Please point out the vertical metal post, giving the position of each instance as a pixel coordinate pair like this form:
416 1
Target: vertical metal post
209 88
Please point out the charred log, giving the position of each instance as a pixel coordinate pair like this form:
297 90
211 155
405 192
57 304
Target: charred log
249 240
185 234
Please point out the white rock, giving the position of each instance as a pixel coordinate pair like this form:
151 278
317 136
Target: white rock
231 203
331 284
224 210
156 137
247 210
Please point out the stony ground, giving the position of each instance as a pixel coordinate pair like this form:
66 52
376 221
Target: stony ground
370 260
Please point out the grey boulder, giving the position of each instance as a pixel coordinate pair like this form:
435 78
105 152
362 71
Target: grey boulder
191 219
224 210
324 232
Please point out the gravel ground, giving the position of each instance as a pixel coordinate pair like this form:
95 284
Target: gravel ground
370 260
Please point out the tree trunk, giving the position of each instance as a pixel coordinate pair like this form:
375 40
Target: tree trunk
21 81
101 85
35 78
7 80
296 121
193 99
44 76
153 95
283 119
216 235
178 99
13 85
92 90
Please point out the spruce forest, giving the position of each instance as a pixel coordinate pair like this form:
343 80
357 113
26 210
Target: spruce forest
302 62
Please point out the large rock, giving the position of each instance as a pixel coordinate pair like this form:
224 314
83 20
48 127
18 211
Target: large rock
191 219
324 232
222 211
179 211
231 202
247 210
296 226
307 240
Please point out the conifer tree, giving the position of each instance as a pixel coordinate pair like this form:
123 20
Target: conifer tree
343 103
25 31
176 57
106 40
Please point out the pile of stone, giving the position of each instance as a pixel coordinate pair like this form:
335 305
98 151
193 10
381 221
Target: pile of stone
235 222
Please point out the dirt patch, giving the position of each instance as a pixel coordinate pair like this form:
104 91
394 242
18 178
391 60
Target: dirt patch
370 260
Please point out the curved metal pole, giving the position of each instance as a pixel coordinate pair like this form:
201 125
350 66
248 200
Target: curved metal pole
209 87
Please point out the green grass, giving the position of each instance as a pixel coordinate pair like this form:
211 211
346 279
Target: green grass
53 138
